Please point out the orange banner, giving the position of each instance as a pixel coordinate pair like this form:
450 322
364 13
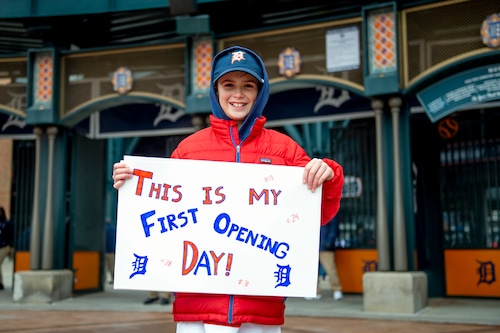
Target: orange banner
472 272
352 264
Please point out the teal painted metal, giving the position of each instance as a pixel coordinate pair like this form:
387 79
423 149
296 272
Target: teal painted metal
489 56
407 186
16 8
456 92
58 198
294 133
101 104
308 82
23 162
114 153
195 104
87 199
13 114
316 138
193 25
197 100
116 148
380 83
59 201
42 112
388 179
308 144
40 8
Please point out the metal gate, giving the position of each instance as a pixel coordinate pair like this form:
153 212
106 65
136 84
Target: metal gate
470 179
23 172
353 146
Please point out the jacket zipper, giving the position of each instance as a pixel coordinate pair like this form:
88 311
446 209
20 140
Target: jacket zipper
238 146
231 297
230 314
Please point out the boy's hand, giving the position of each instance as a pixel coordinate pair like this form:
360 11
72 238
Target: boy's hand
316 172
121 172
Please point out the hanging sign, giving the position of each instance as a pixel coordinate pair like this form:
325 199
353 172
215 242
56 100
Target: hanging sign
471 87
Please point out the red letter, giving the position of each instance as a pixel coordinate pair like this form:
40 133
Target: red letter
254 194
179 194
216 260
140 183
220 194
165 192
155 189
187 270
275 194
207 200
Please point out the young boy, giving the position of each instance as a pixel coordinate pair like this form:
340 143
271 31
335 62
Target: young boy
238 96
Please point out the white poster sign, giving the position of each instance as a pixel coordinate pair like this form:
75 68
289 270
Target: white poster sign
342 49
217 227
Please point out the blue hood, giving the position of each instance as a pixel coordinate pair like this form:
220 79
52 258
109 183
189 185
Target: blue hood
253 65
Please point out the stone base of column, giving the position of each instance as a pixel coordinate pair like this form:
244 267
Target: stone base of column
44 286
394 292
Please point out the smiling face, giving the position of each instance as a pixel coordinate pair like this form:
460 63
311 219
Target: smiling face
237 92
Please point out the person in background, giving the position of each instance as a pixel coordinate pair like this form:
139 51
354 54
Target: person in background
328 236
6 240
237 133
110 249
154 296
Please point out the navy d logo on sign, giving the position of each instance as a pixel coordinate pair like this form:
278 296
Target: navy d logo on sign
122 80
490 31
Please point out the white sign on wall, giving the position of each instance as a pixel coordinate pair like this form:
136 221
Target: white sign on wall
217 227
342 49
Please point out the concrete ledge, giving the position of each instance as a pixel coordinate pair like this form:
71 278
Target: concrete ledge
394 292
44 286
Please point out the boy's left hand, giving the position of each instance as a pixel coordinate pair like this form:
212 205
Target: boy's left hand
316 172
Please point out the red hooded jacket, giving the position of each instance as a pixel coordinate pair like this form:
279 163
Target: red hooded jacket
220 142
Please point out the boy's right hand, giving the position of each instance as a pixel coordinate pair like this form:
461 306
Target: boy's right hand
121 172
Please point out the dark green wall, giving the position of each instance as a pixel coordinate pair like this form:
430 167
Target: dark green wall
87 204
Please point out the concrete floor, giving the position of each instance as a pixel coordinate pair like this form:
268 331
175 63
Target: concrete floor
122 311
